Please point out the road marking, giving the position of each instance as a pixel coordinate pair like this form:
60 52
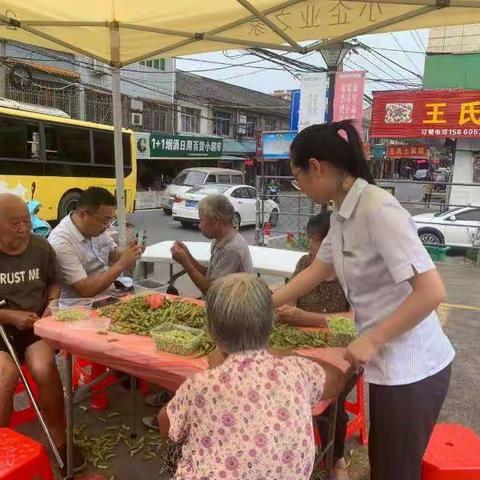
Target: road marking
460 306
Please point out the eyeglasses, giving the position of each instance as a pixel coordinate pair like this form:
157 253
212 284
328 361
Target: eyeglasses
106 221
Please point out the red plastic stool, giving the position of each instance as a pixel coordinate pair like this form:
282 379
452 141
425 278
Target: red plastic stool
22 458
453 453
23 411
357 409
83 373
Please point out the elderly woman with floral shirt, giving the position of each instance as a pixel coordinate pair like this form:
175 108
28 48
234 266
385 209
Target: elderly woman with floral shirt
249 415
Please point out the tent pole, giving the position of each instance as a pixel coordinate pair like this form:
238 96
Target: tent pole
119 170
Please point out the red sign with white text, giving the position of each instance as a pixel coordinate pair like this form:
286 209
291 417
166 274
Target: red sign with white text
348 98
426 114
407 151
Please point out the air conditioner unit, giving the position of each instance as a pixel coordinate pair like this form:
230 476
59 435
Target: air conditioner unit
99 68
136 104
136 119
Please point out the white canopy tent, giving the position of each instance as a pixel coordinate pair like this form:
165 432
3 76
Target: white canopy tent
121 32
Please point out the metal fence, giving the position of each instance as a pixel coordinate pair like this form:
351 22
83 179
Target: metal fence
418 197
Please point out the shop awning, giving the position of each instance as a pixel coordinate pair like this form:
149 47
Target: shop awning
123 31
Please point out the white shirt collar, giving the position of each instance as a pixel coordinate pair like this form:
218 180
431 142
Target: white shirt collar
72 228
351 200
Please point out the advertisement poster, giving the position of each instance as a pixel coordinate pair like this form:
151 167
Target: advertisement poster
312 99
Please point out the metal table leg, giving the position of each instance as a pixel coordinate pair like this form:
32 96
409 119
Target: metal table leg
69 414
332 423
133 413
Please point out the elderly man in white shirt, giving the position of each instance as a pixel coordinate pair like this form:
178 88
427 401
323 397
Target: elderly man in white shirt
88 258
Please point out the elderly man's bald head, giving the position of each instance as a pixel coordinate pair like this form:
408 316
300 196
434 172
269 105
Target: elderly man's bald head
8 201
15 224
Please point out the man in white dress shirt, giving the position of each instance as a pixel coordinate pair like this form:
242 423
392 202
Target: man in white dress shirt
88 258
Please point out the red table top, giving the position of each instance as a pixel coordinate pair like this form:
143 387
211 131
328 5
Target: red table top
137 355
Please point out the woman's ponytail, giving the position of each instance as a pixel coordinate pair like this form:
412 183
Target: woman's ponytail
358 163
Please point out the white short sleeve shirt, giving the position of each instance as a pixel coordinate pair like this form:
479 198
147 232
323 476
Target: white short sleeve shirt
79 257
374 248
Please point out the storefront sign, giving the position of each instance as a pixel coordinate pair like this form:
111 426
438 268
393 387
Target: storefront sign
277 144
348 98
181 146
143 145
426 113
407 151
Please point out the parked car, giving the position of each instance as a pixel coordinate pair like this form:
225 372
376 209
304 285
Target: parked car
243 198
421 174
456 227
193 177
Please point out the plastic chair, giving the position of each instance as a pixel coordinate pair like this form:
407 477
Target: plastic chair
357 409
22 458
84 372
23 411
453 453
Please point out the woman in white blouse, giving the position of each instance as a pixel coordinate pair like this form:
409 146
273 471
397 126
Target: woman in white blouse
393 287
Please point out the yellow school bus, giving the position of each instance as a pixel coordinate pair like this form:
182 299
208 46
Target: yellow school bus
47 156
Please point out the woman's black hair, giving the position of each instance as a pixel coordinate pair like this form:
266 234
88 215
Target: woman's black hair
325 142
319 225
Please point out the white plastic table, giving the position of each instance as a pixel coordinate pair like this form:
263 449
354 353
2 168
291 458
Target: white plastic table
266 261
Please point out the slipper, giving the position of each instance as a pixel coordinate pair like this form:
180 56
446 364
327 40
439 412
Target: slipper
157 400
151 422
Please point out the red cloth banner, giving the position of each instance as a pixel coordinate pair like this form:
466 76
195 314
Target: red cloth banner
407 151
426 114
348 98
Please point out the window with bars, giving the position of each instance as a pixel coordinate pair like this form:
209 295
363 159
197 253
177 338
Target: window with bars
190 120
251 126
269 124
155 117
221 123
156 63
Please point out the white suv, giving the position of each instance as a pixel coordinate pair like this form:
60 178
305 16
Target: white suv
194 177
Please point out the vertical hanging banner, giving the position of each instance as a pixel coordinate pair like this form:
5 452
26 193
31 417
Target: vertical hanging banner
348 99
312 99
294 109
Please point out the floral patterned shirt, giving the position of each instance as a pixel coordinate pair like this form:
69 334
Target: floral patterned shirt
248 419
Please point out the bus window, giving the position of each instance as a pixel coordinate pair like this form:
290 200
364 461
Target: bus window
67 144
19 140
104 154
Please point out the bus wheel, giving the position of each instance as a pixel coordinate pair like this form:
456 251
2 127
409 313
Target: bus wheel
68 204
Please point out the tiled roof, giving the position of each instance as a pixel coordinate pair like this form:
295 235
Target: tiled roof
206 91
59 72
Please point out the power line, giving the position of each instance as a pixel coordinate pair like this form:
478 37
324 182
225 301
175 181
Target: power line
423 46
415 39
408 56
374 50
380 68
89 66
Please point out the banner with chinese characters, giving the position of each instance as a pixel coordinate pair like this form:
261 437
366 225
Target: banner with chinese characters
163 145
426 114
407 151
313 99
348 98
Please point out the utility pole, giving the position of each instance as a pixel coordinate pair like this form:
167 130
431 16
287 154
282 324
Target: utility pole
3 69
